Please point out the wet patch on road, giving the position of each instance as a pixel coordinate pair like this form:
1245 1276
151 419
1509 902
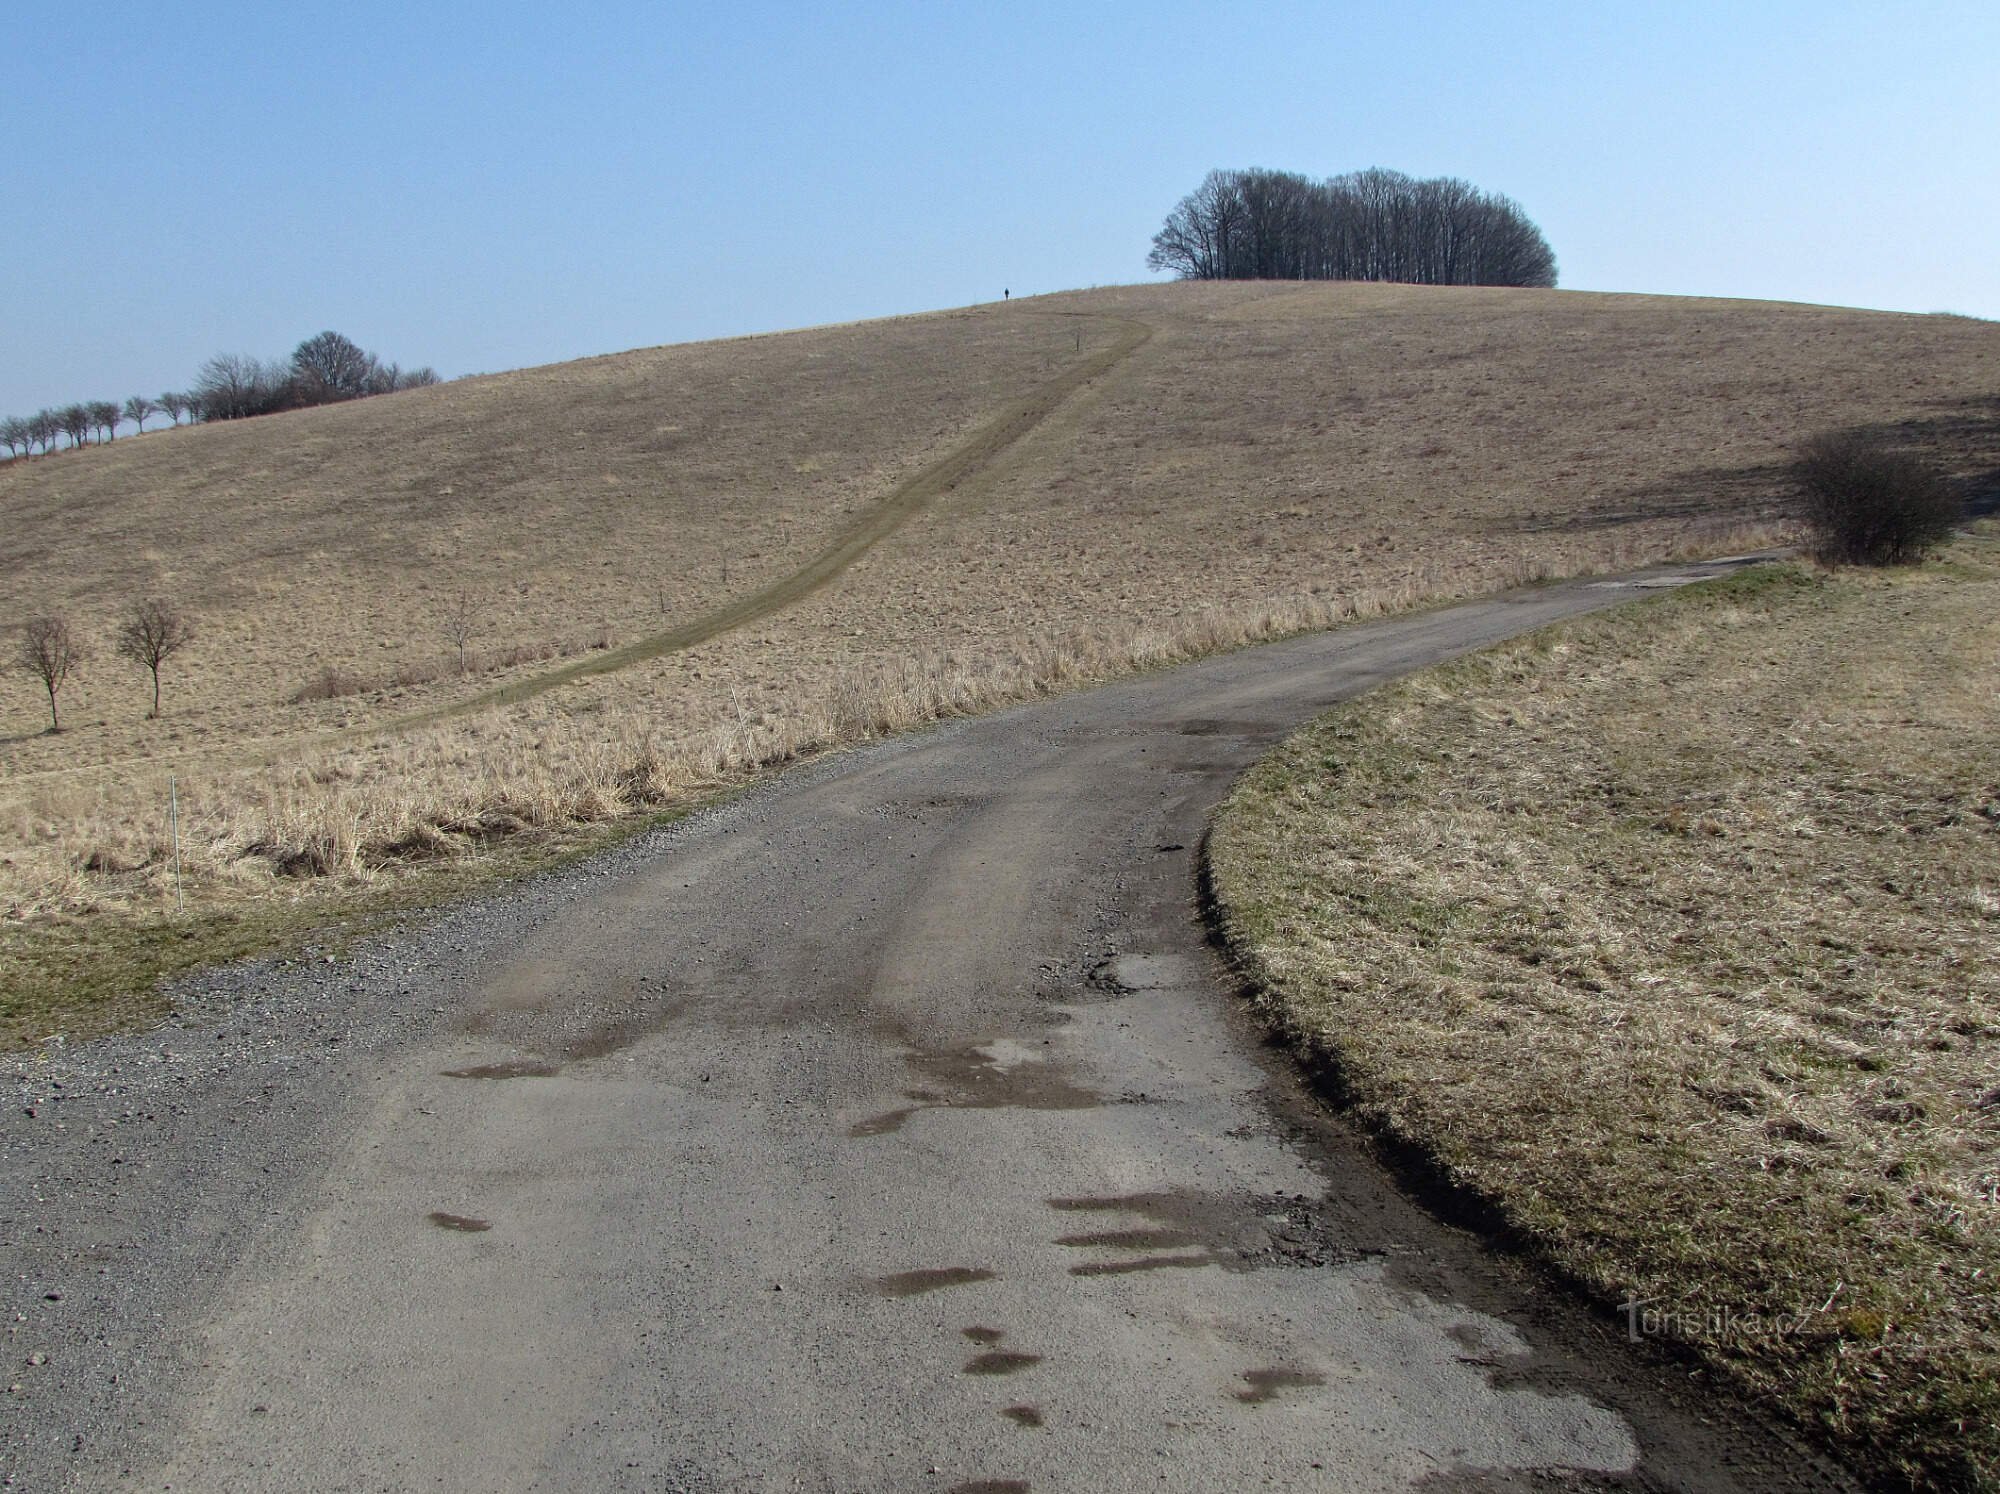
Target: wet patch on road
1023 1416
1149 1263
1127 974
1264 1385
885 1123
1129 1239
463 1224
1002 1074
1001 1362
934 1279
1216 727
996 1361
1237 1233
615 1034
514 1068
544 1009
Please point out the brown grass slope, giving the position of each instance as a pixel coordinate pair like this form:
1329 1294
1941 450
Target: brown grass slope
1671 934
1272 456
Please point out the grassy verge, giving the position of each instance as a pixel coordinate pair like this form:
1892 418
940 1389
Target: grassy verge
1670 934
81 976
340 842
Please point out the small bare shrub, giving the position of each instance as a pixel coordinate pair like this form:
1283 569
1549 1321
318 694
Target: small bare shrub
1866 503
331 683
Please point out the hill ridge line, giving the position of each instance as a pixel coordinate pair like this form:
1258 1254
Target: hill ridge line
902 503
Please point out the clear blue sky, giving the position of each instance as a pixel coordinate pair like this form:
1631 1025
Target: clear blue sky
488 186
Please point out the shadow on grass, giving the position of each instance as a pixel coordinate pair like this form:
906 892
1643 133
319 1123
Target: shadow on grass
1963 435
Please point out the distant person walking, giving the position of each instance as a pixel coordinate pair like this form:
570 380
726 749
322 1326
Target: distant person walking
1006 294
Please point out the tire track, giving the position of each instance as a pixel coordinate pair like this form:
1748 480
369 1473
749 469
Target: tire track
903 503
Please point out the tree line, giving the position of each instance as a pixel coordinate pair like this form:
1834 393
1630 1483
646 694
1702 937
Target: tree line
322 370
1366 225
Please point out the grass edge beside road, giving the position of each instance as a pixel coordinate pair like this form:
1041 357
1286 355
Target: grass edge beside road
1456 905
86 975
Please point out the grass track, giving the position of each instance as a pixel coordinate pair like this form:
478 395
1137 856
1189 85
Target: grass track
902 504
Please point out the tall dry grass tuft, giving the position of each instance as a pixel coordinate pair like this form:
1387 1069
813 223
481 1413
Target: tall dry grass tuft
347 816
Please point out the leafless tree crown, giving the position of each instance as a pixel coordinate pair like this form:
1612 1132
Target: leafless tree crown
153 634
461 620
50 651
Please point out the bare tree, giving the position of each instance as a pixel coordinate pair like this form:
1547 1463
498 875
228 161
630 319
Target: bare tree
43 428
233 386
15 435
461 621
104 418
153 634
74 421
50 652
137 408
173 404
331 367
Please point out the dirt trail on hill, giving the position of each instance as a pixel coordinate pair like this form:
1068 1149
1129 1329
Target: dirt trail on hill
890 1128
903 503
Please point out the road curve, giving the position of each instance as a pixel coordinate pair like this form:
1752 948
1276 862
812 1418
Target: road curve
890 1128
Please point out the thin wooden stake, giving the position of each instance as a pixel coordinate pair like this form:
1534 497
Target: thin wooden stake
174 816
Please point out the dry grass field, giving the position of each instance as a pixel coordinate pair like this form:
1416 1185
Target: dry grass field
1671 933
894 519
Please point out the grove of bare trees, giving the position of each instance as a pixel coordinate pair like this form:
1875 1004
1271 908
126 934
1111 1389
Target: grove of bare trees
323 369
1366 225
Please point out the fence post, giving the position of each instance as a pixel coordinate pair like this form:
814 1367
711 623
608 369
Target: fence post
174 817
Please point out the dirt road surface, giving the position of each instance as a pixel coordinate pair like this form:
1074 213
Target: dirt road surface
890 1128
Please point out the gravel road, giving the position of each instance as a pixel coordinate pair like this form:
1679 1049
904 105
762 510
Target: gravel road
889 1128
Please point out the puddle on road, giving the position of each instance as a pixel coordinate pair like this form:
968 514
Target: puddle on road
996 1361
1026 1416
568 1016
1128 974
1003 1074
1001 1362
515 1068
1217 727
1268 1384
615 1034
1235 1232
935 1279
1130 1239
886 1122
1148 1263
464 1224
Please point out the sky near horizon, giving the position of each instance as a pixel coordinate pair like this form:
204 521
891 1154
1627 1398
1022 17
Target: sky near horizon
480 187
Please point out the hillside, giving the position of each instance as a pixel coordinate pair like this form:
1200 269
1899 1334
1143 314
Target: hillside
1238 446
